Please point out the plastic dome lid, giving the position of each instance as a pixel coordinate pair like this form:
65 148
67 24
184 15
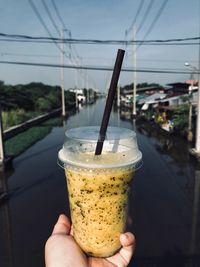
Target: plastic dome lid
119 148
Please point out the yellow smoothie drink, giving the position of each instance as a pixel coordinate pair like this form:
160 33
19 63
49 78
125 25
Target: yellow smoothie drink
98 190
98 203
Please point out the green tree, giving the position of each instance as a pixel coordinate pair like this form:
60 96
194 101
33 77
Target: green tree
43 104
180 118
70 98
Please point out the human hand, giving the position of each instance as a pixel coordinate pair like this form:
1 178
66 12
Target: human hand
61 250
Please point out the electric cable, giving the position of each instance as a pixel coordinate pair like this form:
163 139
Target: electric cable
75 41
134 20
148 9
94 41
50 17
63 25
58 14
97 58
102 68
75 56
43 23
152 25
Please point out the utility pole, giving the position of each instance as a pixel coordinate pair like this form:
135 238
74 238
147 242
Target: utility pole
134 74
118 95
76 87
196 150
190 135
2 150
62 74
87 88
197 143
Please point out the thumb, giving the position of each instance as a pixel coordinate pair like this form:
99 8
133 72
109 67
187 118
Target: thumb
128 246
63 226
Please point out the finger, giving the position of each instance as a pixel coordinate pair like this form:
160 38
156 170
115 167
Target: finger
71 230
62 226
123 257
128 246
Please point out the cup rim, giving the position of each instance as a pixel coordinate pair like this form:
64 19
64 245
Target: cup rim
122 133
137 164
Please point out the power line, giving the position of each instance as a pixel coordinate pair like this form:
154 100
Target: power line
101 43
74 54
95 58
167 60
155 20
148 9
69 32
84 42
27 55
134 20
53 22
64 27
102 68
58 14
61 21
94 41
62 40
50 17
43 23
39 17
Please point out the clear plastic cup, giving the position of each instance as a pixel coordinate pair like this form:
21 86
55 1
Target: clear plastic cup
99 186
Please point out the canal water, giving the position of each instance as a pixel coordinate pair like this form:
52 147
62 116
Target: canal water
164 208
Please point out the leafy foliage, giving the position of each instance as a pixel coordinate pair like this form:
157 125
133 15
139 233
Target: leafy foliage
180 118
14 117
22 102
30 97
141 85
22 141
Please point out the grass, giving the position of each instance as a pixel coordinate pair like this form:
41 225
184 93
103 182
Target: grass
19 143
57 121
14 117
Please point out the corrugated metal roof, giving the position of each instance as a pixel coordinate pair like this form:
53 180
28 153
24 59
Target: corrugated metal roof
152 98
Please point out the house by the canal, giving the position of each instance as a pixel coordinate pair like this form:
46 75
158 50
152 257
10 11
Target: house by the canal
174 95
81 98
126 95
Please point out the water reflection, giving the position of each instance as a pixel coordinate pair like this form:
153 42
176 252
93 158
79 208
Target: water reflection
6 243
164 207
194 246
170 145
184 176
125 114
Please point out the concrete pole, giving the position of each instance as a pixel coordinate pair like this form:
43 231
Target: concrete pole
76 86
2 150
190 135
135 74
87 88
62 74
197 143
118 95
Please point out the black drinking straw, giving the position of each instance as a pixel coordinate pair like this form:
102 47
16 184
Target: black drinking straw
109 101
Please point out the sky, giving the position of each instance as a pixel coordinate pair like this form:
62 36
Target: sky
100 20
